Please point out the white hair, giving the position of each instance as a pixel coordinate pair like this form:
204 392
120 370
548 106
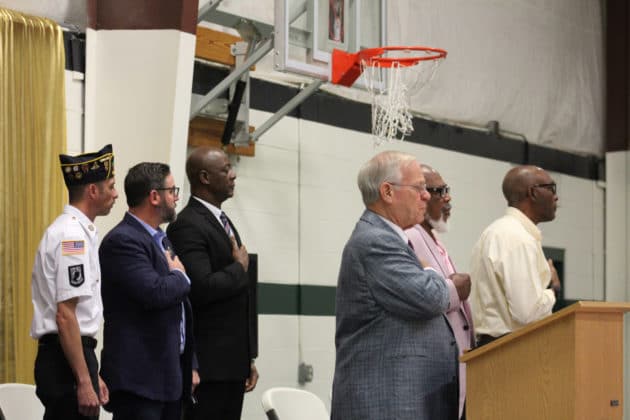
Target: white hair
385 166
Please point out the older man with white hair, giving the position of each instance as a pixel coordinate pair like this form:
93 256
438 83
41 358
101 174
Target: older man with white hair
396 354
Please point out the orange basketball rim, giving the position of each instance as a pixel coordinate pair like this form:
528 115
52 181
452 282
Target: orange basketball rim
347 67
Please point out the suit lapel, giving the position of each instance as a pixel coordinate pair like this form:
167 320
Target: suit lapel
376 221
213 222
435 253
134 224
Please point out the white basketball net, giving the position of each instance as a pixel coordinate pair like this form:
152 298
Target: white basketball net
391 88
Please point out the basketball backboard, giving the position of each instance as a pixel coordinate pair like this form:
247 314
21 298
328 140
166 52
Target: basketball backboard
306 32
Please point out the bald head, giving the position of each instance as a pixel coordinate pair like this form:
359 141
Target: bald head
531 190
518 181
200 159
210 175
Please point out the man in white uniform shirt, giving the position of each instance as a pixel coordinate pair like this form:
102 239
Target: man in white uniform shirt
510 271
66 292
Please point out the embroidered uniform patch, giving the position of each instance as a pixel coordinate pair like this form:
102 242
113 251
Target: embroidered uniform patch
72 247
75 275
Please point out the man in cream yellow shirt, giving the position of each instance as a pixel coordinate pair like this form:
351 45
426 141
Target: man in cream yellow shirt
509 270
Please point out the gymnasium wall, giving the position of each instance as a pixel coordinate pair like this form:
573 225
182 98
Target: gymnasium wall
296 203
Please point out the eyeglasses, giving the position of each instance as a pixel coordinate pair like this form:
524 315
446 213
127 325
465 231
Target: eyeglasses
441 191
419 188
173 190
550 186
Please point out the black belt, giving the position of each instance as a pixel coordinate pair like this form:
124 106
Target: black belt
486 339
54 339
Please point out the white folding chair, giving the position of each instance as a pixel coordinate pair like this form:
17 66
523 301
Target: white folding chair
19 402
293 404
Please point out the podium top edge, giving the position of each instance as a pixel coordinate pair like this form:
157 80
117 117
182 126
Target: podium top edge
598 306
577 307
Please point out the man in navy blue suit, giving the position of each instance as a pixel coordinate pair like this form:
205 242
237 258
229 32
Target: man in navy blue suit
147 338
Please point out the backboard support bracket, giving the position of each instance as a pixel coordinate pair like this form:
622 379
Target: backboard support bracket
259 52
288 107
260 38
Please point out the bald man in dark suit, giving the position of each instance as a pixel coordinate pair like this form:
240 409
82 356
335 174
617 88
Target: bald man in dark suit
217 262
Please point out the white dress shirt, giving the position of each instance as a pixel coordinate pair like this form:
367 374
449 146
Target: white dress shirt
216 212
67 266
510 275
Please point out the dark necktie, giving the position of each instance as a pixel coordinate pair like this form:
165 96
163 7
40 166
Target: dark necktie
226 224
162 240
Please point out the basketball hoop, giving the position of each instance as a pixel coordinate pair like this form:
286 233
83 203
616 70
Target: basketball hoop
392 75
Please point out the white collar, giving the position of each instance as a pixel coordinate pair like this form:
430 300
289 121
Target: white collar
214 209
85 222
529 226
396 229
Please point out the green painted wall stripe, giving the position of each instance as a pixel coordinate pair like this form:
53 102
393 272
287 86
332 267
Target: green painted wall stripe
556 254
317 300
294 299
277 299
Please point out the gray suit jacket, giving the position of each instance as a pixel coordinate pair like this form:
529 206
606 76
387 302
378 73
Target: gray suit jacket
396 354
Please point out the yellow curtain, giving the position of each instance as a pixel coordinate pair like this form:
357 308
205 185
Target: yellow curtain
32 134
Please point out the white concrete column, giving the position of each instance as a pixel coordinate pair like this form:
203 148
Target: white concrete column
139 68
617 248
617 225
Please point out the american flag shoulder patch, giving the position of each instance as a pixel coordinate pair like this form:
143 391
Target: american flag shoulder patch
72 247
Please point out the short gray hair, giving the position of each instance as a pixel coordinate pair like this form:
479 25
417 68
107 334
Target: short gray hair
385 166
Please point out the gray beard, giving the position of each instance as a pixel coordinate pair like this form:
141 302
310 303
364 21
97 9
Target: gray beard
168 214
440 225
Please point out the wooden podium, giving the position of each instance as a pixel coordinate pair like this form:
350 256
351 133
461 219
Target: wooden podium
566 366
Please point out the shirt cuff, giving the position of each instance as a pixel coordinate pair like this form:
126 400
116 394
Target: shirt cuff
183 273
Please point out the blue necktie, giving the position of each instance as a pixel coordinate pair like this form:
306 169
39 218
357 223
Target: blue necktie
162 241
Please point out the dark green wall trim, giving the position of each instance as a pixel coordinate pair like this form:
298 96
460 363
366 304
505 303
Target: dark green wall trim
294 299
277 299
340 112
344 113
556 254
317 300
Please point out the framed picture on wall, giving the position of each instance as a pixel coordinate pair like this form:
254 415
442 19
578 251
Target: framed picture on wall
336 25
308 30
331 26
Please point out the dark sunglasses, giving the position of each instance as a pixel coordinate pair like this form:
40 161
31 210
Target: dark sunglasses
551 186
441 191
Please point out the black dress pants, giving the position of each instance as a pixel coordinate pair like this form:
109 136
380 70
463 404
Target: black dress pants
55 382
217 401
129 406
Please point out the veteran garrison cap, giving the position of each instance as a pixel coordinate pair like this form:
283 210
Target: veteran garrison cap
88 167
